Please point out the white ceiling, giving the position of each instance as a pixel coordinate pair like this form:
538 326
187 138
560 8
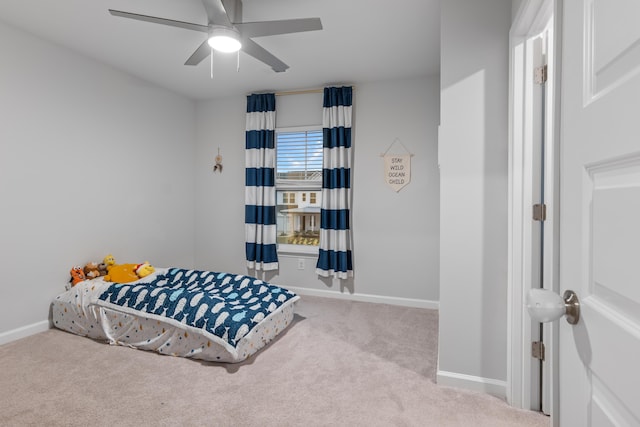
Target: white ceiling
361 41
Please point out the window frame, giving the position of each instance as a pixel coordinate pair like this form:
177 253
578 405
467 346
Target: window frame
285 248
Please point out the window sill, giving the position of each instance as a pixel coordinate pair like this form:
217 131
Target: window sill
297 250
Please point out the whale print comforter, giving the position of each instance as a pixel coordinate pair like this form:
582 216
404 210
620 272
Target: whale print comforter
206 315
223 305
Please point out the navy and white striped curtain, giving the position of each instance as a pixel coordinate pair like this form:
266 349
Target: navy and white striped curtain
334 258
260 190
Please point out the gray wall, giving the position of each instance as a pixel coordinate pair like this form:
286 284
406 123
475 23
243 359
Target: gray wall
515 7
396 235
473 194
92 161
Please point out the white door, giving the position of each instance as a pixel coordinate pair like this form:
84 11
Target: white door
599 375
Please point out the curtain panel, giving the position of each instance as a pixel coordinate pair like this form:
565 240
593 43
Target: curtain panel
335 256
260 190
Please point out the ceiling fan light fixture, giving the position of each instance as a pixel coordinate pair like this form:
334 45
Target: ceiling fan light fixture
224 40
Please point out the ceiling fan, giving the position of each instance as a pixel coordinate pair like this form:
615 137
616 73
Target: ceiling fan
227 33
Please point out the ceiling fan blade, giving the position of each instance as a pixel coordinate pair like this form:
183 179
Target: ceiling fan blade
201 53
163 21
234 10
261 54
216 12
272 28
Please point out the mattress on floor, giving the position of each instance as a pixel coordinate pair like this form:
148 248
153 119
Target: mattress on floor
81 311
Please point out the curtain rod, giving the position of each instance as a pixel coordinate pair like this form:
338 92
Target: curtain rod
302 91
298 92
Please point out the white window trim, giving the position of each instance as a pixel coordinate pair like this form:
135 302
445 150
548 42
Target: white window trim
284 248
299 128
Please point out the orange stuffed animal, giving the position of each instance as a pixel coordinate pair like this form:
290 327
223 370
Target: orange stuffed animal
77 275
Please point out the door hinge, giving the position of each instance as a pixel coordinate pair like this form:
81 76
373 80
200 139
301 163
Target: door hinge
539 212
540 75
537 350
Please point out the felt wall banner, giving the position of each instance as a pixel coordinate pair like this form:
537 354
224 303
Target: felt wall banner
397 170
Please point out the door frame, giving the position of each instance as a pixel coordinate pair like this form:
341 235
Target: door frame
530 20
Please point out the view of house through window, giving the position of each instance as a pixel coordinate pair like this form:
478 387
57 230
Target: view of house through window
298 186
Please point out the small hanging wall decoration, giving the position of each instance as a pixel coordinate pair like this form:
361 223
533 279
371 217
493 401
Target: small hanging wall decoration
218 166
397 167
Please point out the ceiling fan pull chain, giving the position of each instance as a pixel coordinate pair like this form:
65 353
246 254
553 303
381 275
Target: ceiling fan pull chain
211 63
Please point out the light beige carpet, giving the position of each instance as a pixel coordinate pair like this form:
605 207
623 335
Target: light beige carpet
340 363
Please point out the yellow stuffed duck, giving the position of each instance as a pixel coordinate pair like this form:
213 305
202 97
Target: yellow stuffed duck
109 261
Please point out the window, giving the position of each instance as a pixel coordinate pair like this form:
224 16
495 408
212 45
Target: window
288 198
298 172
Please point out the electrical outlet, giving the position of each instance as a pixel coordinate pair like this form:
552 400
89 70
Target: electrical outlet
300 263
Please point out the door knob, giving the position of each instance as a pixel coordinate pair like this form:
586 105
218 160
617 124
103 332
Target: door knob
546 306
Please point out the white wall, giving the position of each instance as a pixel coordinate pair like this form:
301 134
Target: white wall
219 219
396 235
92 161
473 202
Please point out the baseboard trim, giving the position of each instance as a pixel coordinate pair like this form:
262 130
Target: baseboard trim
24 331
405 302
35 328
470 382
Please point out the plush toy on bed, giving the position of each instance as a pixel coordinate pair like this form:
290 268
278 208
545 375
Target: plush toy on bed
125 273
102 269
144 269
109 261
77 275
121 273
91 270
